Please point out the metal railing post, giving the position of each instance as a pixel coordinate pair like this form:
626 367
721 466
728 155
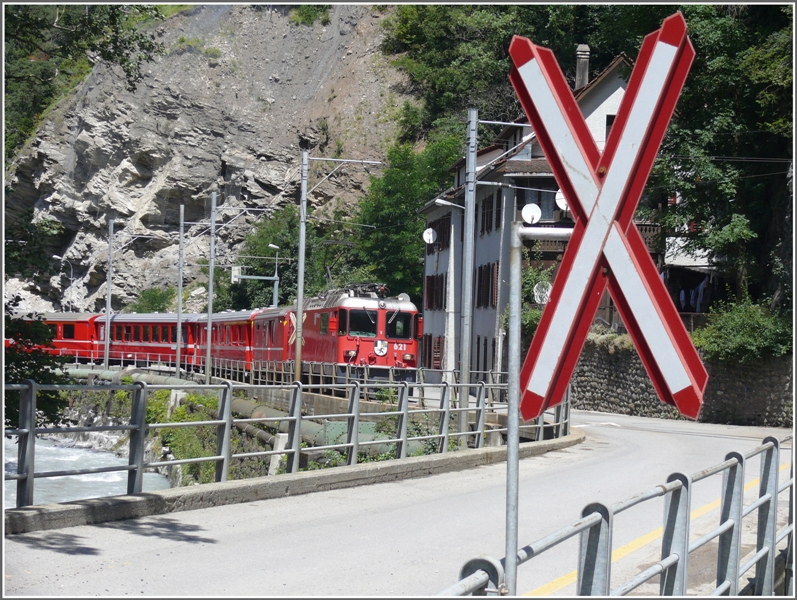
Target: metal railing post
26 451
403 417
595 553
444 404
730 542
224 432
675 540
138 417
481 401
294 430
353 434
495 575
767 519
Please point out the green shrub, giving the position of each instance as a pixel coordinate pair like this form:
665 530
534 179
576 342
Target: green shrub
744 331
309 14
212 53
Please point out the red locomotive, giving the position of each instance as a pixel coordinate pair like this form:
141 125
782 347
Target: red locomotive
357 332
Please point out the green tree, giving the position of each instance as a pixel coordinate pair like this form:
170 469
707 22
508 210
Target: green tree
153 300
728 148
50 48
394 250
282 230
24 358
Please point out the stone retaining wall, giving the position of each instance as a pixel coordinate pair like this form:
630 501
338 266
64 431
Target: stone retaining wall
614 381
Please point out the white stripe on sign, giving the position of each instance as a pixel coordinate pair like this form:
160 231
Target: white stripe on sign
555 124
650 322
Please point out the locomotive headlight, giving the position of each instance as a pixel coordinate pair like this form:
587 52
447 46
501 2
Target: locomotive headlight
349 354
408 357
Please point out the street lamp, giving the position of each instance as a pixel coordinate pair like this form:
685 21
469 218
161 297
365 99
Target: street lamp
71 279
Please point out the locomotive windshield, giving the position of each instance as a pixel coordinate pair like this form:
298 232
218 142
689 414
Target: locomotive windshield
362 323
398 325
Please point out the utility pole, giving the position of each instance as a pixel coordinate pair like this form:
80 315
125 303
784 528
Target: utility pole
467 266
180 294
300 282
210 287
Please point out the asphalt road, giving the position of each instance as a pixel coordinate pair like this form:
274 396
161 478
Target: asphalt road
392 539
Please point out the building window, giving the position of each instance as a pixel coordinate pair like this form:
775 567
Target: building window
609 123
545 200
442 228
435 292
487 215
438 346
498 215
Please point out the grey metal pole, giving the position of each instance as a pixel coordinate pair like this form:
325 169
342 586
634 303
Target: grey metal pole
108 294
300 282
467 266
275 302
210 287
513 406
180 295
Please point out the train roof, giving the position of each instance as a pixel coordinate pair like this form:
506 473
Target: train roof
149 318
63 317
231 315
343 299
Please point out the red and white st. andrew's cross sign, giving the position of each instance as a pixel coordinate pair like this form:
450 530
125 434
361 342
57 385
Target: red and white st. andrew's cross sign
606 248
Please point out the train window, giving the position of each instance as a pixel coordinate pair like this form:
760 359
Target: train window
398 325
137 333
127 333
145 333
173 335
324 323
117 333
53 331
362 323
185 334
271 326
343 321
69 332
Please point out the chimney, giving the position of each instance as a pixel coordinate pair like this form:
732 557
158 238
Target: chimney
582 66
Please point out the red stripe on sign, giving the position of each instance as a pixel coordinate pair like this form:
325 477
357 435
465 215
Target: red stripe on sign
520 50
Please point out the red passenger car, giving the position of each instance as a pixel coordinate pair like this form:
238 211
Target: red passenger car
147 337
73 334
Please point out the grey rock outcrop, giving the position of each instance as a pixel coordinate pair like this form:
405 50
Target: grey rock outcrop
229 109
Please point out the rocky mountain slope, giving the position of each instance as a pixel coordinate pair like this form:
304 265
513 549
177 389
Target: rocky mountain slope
239 95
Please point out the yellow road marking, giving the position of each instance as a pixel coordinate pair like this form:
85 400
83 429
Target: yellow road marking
565 580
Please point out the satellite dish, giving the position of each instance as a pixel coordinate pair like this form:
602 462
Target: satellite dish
531 213
430 236
404 297
542 292
561 201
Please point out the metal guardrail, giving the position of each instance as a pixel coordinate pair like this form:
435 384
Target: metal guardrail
485 575
138 425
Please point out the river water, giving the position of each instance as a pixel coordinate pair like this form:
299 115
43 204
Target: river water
60 456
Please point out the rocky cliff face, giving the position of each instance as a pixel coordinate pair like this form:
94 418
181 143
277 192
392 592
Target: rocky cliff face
229 109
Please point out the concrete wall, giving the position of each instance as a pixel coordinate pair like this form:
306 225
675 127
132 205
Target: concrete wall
614 381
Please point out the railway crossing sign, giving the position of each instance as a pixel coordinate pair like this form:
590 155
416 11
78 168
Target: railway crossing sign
602 190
